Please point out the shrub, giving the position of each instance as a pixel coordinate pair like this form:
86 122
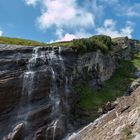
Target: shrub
101 42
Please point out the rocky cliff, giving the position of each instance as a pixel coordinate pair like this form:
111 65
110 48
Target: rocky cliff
37 94
122 123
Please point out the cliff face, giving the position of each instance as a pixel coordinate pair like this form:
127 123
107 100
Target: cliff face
37 88
122 123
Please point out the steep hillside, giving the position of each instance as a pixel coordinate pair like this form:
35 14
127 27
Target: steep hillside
49 91
19 41
121 123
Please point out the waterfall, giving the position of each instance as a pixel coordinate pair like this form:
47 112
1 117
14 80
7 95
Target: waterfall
51 61
54 127
28 78
55 96
27 88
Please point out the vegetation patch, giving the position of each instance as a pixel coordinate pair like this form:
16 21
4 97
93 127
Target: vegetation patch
18 41
93 43
112 88
128 132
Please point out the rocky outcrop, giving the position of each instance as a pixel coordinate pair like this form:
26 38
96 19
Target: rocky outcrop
37 88
17 133
122 48
123 122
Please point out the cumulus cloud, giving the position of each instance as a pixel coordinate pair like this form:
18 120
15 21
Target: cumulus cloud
70 19
61 13
68 37
133 10
31 2
109 28
1 32
71 36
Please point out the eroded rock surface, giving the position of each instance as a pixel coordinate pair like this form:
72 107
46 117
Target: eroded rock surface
123 122
37 88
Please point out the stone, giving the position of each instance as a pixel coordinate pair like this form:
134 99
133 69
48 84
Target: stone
17 133
40 134
37 86
137 137
120 123
56 131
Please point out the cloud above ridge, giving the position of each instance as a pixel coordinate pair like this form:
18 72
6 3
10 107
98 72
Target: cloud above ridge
1 32
110 28
76 19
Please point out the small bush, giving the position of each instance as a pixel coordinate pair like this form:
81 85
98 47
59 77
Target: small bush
101 42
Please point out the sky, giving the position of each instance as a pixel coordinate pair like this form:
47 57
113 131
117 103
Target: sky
63 20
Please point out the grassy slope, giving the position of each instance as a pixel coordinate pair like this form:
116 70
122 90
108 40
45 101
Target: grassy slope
113 88
18 41
101 42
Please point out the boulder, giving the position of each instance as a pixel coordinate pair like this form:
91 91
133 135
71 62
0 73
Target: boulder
17 133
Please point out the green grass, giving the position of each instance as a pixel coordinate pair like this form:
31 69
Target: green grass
18 41
93 43
128 132
112 88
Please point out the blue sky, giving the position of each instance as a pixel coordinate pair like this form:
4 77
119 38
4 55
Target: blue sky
61 20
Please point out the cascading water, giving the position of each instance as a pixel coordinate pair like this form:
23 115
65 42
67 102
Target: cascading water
30 73
55 96
49 63
54 128
27 88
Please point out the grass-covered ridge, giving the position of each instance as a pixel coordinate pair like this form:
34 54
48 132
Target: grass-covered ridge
115 87
82 45
93 43
19 41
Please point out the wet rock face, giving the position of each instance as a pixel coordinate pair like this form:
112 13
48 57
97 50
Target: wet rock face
96 67
37 89
16 134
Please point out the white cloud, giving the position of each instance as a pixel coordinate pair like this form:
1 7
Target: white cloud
109 28
1 32
133 10
62 13
69 20
109 23
69 37
31 2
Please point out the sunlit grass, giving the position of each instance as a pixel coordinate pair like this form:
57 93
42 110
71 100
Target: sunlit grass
112 88
19 41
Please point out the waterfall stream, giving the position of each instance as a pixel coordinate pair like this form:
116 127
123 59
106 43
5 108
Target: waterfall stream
51 60
27 88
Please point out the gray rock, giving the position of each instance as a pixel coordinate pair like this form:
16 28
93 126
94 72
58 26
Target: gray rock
16 134
37 86
137 137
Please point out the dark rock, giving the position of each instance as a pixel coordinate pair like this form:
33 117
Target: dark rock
37 86
16 134
40 134
107 107
56 130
